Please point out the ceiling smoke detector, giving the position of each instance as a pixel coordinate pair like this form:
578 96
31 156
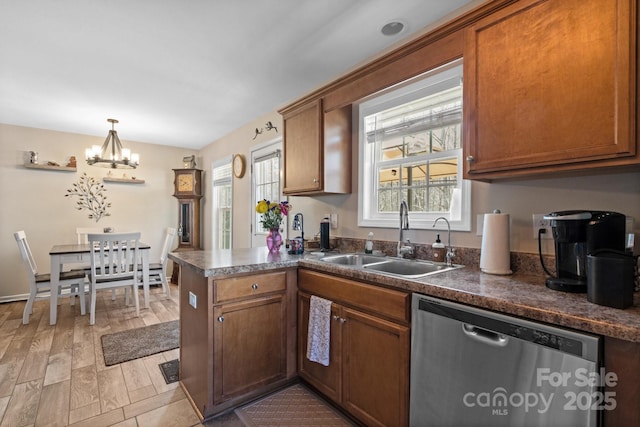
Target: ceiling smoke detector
393 28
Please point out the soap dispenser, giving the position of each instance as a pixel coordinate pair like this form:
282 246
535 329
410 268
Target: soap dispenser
439 250
368 246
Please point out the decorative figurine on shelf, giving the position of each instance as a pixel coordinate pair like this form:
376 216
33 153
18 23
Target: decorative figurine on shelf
189 162
72 162
33 157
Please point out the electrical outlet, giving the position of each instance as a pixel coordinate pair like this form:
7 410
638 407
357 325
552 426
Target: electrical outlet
479 224
538 223
334 220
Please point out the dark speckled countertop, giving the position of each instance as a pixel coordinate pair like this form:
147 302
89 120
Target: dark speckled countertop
234 261
519 294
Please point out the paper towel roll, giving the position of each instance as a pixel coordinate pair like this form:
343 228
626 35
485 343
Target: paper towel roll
495 255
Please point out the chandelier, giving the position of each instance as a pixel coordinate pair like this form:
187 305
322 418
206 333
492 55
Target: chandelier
111 154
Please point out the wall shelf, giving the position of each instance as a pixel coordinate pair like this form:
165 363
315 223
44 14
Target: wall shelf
50 167
123 180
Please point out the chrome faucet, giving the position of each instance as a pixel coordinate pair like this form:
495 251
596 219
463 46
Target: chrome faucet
451 252
404 225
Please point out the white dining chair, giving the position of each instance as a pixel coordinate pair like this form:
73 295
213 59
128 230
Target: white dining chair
158 270
82 233
40 283
114 264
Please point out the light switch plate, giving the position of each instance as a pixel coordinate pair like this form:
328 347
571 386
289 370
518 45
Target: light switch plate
193 300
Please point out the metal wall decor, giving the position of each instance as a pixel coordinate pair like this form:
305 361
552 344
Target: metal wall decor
267 126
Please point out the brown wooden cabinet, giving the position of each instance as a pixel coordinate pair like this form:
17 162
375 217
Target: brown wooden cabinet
368 372
238 342
250 345
317 149
550 86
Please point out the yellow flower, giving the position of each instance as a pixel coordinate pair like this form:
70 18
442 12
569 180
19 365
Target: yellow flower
262 207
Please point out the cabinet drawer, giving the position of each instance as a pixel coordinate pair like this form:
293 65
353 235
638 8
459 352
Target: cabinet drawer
248 286
374 299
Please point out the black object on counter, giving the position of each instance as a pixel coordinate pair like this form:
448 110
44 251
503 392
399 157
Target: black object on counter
576 235
610 279
324 234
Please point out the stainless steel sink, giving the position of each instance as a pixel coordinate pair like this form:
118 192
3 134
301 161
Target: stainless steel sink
353 259
394 266
410 269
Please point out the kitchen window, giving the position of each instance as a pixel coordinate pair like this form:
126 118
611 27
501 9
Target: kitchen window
222 206
267 184
410 148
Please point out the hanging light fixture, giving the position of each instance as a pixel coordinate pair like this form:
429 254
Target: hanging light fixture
111 154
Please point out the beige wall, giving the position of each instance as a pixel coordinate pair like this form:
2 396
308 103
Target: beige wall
33 200
240 141
617 192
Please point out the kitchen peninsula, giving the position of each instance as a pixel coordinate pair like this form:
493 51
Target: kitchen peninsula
237 325
229 285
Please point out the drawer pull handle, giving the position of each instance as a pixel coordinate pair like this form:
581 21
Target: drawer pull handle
336 318
254 286
471 159
221 319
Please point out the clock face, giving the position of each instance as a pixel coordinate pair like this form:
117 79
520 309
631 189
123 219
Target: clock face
185 182
238 166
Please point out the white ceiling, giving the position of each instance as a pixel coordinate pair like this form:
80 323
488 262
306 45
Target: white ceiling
184 73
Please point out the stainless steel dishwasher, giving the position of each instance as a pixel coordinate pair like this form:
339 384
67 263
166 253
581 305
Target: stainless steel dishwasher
472 367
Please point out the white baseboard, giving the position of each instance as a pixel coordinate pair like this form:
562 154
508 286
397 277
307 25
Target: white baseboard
24 297
14 298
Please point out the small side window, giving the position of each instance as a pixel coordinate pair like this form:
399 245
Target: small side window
223 204
266 184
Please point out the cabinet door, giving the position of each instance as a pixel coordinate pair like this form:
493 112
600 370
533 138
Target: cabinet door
550 83
375 369
249 345
303 139
325 378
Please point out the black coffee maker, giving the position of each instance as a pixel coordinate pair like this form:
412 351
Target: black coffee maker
578 234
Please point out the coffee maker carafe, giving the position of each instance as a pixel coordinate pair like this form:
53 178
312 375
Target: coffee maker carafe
576 235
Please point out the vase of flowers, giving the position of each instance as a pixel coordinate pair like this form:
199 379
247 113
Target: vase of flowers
272 214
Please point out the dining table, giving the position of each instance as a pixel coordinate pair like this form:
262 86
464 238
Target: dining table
81 254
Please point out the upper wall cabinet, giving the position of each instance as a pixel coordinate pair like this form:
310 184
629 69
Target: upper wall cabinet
317 150
550 85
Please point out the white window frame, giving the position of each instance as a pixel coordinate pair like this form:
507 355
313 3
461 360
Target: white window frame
215 184
269 149
459 215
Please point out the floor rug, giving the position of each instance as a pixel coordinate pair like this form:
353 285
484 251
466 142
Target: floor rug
170 371
294 406
140 342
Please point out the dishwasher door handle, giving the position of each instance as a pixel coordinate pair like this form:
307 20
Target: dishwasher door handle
484 335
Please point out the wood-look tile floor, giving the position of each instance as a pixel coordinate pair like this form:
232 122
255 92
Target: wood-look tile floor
55 375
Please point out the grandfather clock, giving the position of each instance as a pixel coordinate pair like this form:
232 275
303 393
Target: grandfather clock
188 191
